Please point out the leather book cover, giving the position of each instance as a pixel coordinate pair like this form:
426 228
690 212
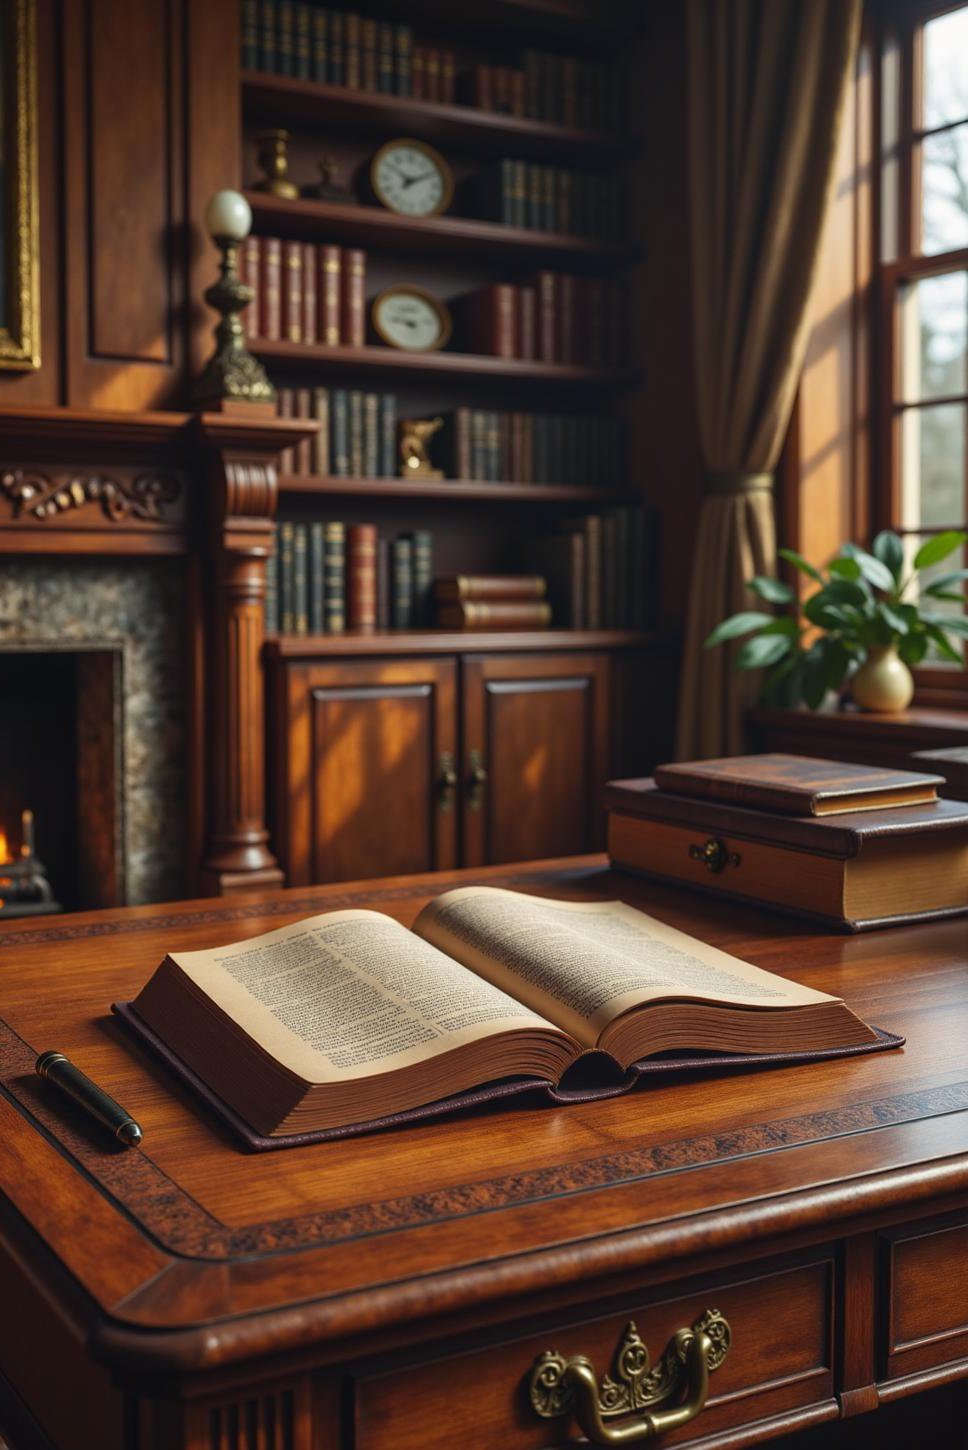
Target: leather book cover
797 785
320 28
334 577
371 435
489 320
310 306
249 267
351 50
287 609
368 64
267 35
328 275
361 602
494 614
356 432
491 1093
527 337
270 289
285 40
401 583
292 297
388 435
500 587
384 61
418 73
546 290
353 303
303 450
286 408
250 34
317 576
402 60
300 578
303 47
448 69
337 69
517 93
340 424
593 572
319 450
432 75
423 578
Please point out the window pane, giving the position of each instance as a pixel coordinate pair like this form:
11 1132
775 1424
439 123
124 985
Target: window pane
946 68
944 190
933 467
934 318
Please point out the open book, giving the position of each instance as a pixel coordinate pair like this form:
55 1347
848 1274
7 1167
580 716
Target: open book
347 1018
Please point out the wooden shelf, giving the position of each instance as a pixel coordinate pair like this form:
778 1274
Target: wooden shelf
439 236
450 641
465 128
453 490
480 369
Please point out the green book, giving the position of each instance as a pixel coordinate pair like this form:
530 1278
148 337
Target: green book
320 45
287 610
250 34
268 59
285 39
300 578
272 593
401 582
334 577
317 555
303 43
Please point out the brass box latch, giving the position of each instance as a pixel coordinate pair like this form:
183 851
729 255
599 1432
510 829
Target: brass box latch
715 854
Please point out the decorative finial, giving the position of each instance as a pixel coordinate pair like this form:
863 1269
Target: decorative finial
231 372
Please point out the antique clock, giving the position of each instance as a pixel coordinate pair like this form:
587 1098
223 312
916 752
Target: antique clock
411 179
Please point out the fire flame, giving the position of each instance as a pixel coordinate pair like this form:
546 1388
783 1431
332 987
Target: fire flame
4 847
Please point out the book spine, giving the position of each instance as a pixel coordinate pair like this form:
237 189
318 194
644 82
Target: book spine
610 567
328 288
337 70
383 547
303 42
493 448
310 306
577 576
356 433
504 446
368 61
546 290
319 446
303 409
593 571
250 34
361 593
271 623
286 408
401 583
371 435
418 71
482 92
353 310
431 75
478 459
388 435
623 571
566 318
534 197
300 578
403 60
249 265
384 59
334 577
270 289
549 219
320 35
491 588
569 91
291 300
340 424
267 36
448 70
317 612
474 614
423 578
352 56
531 68
518 102
285 42
287 611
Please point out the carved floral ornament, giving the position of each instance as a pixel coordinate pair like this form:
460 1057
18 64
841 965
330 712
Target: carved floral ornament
145 496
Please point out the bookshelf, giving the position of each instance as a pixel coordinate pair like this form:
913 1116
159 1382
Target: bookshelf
454 491
472 367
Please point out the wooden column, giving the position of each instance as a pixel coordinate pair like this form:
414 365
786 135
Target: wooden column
241 452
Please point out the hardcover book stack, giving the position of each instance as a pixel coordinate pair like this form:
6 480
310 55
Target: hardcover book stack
557 318
601 570
304 292
333 47
494 447
548 199
328 577
492 601
850 846
356 438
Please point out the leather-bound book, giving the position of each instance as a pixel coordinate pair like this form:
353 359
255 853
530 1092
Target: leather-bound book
317 579
384 58
270 289
401 583
250 34
546 331
356 432
353 308
527 300
310 305
560 559
402 60
432 75
292 297
334 577
287 580
320 43
352 50
285 38
267 36
286 408
861 869
300 578
361 591
418 74
371 435
303 451
593 572
368 66
319 444
340 425
455 443
328 274
337 66
388 435
798 785
494 614
249 264
490 586
303 42
422 542
489 320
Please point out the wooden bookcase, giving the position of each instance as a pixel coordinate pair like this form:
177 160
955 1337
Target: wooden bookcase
366 730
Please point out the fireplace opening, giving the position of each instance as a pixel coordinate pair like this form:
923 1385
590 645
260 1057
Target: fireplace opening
61 762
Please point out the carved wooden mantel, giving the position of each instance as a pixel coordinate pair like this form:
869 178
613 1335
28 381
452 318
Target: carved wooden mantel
202 486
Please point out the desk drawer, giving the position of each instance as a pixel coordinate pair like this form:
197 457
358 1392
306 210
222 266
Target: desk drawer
779 1361
926 1287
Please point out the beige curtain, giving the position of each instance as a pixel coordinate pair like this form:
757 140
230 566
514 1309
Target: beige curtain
767 81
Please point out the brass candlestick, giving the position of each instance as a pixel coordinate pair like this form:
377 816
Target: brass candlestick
231 372
274 159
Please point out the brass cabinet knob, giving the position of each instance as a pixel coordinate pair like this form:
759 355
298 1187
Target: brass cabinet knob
715 855
561 1386
446 781
476 780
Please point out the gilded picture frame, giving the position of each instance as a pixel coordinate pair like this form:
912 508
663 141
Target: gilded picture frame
19 234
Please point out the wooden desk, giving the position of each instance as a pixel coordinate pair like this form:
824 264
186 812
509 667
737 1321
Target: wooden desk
394 1291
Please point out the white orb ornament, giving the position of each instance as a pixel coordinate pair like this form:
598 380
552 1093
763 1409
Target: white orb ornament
228 216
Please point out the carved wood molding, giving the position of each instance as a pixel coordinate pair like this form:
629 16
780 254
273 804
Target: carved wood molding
144 497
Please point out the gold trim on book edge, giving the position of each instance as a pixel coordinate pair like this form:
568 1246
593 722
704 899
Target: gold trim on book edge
20 341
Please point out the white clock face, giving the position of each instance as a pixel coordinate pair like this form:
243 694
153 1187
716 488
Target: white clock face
409 181
405 319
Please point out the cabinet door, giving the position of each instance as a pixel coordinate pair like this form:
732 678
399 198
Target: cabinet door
367 747
535 755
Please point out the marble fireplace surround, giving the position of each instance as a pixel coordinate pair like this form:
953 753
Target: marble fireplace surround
129 612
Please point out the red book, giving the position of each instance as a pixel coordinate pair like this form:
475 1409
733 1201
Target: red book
309 306
431 75
546 331
328 272
361 576
353 298
303 451
249 262
291 301
566 318
286 408
527 323
482 93
517 93
418 74
368 66
270 285
489 320
502 89
445 86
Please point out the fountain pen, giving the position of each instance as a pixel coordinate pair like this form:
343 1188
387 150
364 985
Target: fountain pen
56 1068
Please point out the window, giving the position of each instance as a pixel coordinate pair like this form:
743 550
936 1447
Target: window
923 205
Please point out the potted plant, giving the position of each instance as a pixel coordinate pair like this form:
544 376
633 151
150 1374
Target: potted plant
866 620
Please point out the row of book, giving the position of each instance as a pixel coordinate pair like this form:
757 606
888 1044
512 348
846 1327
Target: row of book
334 47
356 435
328 577
556 317
544 87
493 447
304 292
601 570
549 199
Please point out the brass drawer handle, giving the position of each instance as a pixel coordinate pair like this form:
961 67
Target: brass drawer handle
446 781
715 854
476 780
570 1386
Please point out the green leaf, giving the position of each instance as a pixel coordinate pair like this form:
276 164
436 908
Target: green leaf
872 569
932 551
942 645
781 624
955 624
799 562
764 649
888 548
844 568
836 663
772 589
944 594
736 625
943 580
913 648
894 619
848 591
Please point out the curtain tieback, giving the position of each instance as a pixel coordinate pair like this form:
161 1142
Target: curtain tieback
737 481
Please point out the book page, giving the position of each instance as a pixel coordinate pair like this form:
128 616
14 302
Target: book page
351 994
582 964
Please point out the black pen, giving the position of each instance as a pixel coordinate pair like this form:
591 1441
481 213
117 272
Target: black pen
56 1068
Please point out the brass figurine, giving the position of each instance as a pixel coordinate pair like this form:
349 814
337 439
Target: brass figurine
415 436
329 187
274 160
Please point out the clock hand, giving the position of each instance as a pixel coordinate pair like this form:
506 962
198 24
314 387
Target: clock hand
422 176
